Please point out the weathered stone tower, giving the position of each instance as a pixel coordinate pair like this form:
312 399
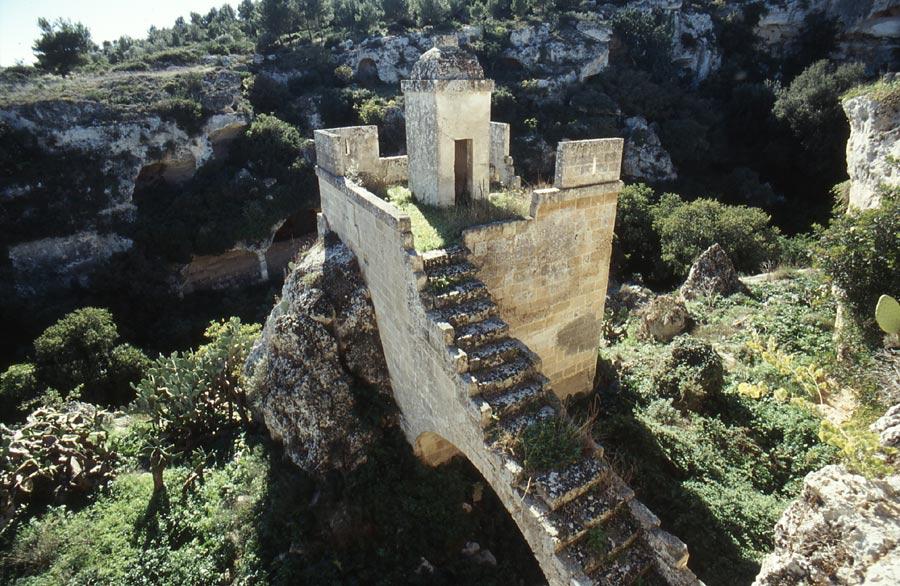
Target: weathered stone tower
448 126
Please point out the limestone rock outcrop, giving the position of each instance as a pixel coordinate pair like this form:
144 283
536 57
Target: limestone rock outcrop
873 148
868 30
319 362
116 145
712 274
888 427
644 156
844 529
664 318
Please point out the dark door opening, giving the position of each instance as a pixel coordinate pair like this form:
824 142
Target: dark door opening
462 171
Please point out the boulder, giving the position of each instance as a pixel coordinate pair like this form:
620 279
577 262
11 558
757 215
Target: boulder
664 318
873 148
643 156
318 363
712 274
888 427
843 529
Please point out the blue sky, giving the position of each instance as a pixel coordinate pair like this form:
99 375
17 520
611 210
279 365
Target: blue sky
107 19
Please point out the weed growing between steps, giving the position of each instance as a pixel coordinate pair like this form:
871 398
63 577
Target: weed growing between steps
597 540
435 227
549 444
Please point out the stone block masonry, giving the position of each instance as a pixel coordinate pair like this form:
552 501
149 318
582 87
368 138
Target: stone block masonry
587 162
459 381
548 274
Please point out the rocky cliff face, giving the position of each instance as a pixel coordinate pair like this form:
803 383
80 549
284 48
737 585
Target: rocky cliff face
318 367
84 158
873 150
868 30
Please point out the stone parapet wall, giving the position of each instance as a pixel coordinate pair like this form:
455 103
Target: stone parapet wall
502 169
548 274
587 162
354 150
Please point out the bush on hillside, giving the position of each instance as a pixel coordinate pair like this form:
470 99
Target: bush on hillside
58 454
635 238
186 113
18 384
272 145
63 46
267 95
688 228
192 397
811 108
660 238
81 350
691 374
860 253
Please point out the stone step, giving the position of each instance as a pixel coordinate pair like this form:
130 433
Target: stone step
613 537
514 400
444 276
494 354
502 377
437 258
459 293
625 568
474 335
591 509
469 313
512 427
559 487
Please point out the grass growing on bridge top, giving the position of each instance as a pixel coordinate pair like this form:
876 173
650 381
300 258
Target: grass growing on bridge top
436 227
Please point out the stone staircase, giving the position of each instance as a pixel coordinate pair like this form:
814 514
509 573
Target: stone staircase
589 516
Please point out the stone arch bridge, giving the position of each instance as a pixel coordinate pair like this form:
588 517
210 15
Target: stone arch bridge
482 340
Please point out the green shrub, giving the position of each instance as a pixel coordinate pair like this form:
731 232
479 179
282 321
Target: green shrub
81 351
552 443
810 107
60 454
194 396
647 37
186 113
636 239
272 145
267 95
18 383
687 229
208 535
691 374
860 253
62 46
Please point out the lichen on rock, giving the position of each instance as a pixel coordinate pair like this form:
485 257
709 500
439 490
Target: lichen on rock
844 529
318 363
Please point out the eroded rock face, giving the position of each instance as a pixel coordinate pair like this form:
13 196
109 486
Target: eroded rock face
664 318
66 260
844 529
873 148
868 30
888 427
318 356
712 274
643 156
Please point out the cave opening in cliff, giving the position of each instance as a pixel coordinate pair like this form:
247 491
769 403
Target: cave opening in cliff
367 72
298 225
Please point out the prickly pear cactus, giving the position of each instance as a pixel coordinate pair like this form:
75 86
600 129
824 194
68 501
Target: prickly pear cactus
887 314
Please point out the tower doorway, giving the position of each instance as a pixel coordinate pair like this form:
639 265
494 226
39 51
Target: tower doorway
462 171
